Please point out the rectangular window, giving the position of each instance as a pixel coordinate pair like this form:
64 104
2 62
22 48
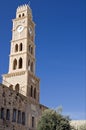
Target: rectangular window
8 114
14 115
2 113
19 117
23 118
33 122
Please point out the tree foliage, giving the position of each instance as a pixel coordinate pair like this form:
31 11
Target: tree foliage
51 120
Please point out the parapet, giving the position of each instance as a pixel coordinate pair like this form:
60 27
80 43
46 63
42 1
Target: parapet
23 8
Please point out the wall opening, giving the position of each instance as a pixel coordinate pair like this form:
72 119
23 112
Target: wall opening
19 117
16 48
33 121
8 114
35 93
29 65
14 64
32 67
2 113
32 50
23 15
14 115
20 63
23 118
20 47
31 91
11 87
19 15
17 87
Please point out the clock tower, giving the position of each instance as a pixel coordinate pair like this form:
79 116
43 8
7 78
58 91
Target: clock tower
21 76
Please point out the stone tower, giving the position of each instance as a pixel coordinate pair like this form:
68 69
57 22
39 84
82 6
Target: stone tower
21 76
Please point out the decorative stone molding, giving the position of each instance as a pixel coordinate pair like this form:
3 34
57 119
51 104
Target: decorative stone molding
14 74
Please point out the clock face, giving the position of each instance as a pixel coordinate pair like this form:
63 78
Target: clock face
20 28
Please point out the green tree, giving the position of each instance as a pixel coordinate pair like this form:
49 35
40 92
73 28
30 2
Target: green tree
51 120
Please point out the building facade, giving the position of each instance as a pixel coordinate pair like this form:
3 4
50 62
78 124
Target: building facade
77 123
20 107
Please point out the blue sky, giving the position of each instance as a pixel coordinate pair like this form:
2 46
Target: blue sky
60 50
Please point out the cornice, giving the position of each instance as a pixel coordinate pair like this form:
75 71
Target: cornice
21 53
16 54
33 76
14 74
18 39
17 19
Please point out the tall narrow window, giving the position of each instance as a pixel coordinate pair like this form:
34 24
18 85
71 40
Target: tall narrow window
20 47
31 91
23 15
11 86
32 38
16 48
14 115
8 114
17 87
35 93
14 64
32 67
20 63
29 65
19 15
29 48
33 122
19 117
2 113
32 50
23 118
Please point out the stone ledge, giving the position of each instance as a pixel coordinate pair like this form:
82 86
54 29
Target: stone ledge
14 74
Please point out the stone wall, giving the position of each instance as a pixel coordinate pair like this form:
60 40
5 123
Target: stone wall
17 111
12 109
77 123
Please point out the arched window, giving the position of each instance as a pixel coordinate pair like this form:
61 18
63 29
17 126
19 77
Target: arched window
20 63
29 48
23 118
2 113
32 67
7 114
14 115
32 50
19 117
33 122
32 38
16 48
29 65
23 15
35 93
31 91
11 86
14 64
20 47
19 15
17 88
